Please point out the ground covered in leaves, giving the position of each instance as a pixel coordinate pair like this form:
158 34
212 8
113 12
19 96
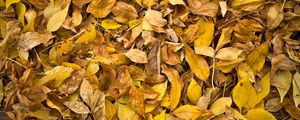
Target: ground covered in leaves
150 59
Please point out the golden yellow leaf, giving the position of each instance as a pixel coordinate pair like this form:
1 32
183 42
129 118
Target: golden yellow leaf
160 116
110 24
256 59
150 107
227 66
110 110
166 100
161 89
194 91
219 106
206 30
265 87
9 2
228 53
72 65
87 36
245 72
21 9
175 92
100 8
56 20
259 114
237 3
59 73
244 94
197 64
65 47
188 112
2 3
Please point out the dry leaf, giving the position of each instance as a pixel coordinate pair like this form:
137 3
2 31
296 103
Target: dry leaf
100 8
256 114
256 59
188 112
57 19
136 55
124 12
296 89
194 91
204 50
155 18
203 7
228 53
77 107
220 105
31 39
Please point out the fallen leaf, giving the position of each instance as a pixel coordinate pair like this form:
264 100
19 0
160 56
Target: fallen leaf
274 16
206 30
110 24
282 81
257 114
124 111
100 8
220 105
57 19
87 36
31 39
205 50
244 94
296 89
223 6
155 18
177 2
188 112
136 55
227 66
124 12
9 2
197 64
194 91
21 9
203 7
77 107
256 59
225 37
228 53
59 73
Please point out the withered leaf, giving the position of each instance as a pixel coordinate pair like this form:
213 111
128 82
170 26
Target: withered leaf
155 18
77 107
100 8
136 55
31 39
203 7
124 12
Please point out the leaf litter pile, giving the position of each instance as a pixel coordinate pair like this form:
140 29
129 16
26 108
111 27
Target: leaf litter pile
150 59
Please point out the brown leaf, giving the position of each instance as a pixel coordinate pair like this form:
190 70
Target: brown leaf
100 8
203 7
136 55
77 107
124 12
31 39
155 18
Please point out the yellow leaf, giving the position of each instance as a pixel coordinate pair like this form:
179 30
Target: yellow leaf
30 16
21 9
59 73
285 79
237 3
197 63
245 72
110 110
219 106
2 3
204 50
177 2
124 112
155 18
56 20
65 47
228 53
87 36
110 24
194 91
150 107
91 69
256 59
166 101
9 2
259 114
41 114
265 87
100 8
227 66
161 89
72 65
225 37
244 94
188 112
237 115
137 56
160 116
206 30
135 22
175 92
296 89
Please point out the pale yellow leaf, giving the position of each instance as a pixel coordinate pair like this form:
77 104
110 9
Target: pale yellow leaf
155 18
197 63
110 110
59 73
228 53
160 116
296 89
56 20
205 50
265 87
136 55
245 72
285 79
30 16
225 37
227 66
194 91
188 112
177 2
91 69
259 114
124 111
219 106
